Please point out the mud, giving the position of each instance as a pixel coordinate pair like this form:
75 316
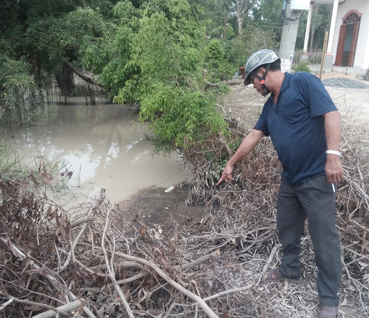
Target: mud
157 207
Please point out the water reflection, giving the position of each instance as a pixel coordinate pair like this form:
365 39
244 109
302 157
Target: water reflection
101 145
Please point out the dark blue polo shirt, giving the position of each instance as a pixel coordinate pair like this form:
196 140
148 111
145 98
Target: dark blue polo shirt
296 126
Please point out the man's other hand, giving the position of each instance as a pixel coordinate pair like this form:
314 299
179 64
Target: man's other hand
333 169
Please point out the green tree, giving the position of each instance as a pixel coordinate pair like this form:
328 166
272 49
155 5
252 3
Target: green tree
320 23
47 35
254 38
216 62
15 86
170 53
109 55
268 15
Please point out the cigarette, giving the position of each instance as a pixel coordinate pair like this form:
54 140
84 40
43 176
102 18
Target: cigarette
334 190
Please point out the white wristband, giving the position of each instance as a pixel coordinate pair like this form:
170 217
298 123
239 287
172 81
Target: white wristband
334 152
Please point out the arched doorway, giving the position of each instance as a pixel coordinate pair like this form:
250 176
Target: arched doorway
347 40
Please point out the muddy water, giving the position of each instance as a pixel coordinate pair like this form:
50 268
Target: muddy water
103 145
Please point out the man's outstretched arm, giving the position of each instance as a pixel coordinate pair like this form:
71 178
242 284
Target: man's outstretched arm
247 145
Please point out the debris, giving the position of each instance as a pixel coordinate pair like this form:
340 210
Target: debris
171 188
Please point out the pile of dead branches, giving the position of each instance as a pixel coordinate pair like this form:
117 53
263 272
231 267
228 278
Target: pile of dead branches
94 261
91 261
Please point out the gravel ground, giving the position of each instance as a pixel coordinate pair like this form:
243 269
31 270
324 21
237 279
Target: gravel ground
344 83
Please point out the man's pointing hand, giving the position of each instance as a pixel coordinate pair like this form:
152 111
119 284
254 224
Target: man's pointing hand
226 175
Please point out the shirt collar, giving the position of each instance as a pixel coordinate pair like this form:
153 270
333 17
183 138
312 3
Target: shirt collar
286 82
285 85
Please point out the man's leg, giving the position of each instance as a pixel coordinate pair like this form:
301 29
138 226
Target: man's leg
290 223
318 200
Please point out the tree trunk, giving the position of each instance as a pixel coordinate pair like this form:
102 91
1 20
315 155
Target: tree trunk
91 93
241 9
312 40
240 22
81 74
65 81
225 27
313 26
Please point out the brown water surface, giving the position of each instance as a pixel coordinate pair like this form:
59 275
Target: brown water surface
104 145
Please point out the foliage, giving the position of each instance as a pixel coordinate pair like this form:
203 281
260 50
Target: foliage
15 87
267 15
214 14
109 55
216 62
320 22
9 160
36 36
179 119
268 11
217 32
148 52
170 54
302 67
253 39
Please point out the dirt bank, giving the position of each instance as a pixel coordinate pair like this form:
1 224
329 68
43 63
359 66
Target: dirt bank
156 206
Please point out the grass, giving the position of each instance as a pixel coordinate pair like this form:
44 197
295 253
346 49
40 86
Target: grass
40 173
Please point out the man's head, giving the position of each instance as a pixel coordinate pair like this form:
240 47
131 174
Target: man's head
258 65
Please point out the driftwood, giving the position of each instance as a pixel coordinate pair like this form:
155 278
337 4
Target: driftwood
123 261
85 219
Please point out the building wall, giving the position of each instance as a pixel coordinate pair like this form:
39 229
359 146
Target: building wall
362 46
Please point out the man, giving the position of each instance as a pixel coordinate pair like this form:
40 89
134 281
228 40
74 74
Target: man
305 128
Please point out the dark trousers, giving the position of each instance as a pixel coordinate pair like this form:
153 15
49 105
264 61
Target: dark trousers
315 200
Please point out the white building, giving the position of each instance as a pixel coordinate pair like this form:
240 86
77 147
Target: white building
348 41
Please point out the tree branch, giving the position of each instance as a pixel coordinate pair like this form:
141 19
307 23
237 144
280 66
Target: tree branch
80 73
200 260
111 272
183 290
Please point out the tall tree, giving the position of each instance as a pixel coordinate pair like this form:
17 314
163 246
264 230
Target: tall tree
268 14
242 7
45 33
315 22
